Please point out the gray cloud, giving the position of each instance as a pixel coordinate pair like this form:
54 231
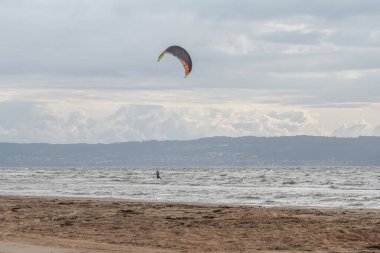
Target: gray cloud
319 54
257 9
123 38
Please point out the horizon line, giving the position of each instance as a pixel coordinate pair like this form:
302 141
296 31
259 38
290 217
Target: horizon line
195 139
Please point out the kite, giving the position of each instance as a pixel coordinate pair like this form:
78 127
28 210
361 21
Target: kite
182 55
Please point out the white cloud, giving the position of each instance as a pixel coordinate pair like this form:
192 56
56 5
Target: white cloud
359 128
158 122
376 130
35 123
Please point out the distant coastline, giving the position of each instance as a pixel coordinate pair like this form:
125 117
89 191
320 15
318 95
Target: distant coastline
211 151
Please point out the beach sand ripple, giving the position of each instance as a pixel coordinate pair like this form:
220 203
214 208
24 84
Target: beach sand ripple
110 225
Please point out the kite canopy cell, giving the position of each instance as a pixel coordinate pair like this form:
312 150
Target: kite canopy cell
182 55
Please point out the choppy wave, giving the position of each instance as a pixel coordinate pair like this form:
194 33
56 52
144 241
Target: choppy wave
348 187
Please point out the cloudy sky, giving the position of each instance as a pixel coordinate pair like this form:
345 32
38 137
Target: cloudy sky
86 70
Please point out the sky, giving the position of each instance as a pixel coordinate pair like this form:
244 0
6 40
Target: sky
86 70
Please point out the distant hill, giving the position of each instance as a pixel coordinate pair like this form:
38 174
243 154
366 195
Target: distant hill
213 151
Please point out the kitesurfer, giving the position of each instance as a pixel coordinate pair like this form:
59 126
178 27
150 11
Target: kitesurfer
158 175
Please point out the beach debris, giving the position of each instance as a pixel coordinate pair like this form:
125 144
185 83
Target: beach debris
128 212
373 246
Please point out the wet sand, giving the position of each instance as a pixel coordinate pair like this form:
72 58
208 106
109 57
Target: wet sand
76 225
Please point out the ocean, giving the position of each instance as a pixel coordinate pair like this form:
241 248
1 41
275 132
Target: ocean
326 187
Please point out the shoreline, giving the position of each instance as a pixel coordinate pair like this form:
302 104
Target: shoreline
100 224
355 208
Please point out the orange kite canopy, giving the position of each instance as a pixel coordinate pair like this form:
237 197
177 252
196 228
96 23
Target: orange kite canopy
181 55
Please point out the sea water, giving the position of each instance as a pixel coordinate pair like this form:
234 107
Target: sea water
331 187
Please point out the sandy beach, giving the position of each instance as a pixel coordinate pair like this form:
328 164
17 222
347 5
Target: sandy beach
62 225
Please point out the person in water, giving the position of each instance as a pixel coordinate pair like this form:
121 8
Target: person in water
158 175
